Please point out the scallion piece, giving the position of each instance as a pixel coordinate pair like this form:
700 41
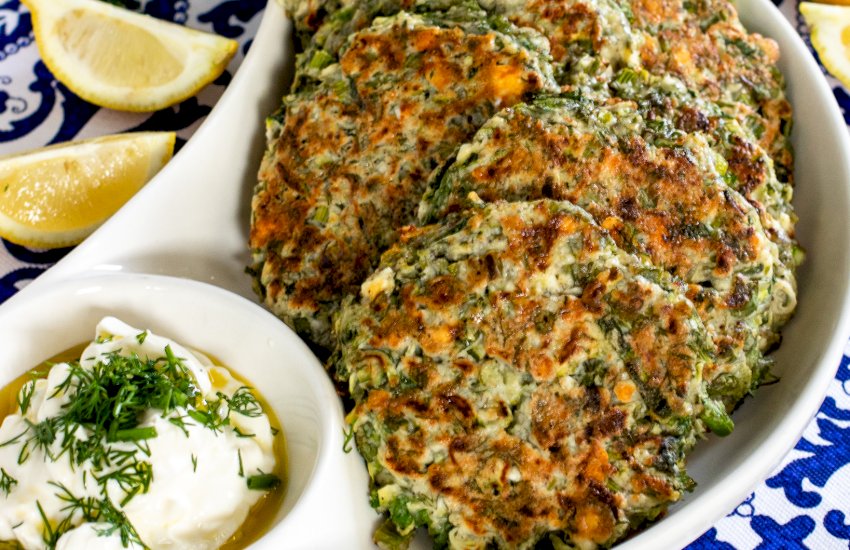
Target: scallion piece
263 482
135 434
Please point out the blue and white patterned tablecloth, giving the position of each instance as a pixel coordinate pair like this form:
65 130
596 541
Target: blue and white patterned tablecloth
805 503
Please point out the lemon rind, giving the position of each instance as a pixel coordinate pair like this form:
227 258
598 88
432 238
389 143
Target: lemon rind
208 57
821 18
160 148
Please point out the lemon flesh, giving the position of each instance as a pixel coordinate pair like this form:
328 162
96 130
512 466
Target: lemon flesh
123 60
830 35
58 195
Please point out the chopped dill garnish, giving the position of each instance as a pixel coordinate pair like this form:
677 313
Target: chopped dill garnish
99 425
118 521
6 482
209 417
42 437
49 534
133 478
244 403
216 415
25 397
91 509
115 392
108 399
180 422
239 433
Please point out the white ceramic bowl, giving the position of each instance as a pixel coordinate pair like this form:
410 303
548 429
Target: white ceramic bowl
240 334
192 222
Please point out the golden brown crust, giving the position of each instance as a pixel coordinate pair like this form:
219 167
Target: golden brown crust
706 47
657 202
351 158
491 380
658 195
701 43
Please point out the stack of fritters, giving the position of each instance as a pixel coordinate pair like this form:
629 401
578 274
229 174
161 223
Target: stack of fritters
662 197
349 159
517 375
546 243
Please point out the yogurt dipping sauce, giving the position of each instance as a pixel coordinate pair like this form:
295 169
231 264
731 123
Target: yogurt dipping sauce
185 477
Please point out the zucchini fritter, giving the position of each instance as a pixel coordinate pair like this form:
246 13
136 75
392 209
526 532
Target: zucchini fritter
660 195
516 376
348 162
672 109
590 40
703 43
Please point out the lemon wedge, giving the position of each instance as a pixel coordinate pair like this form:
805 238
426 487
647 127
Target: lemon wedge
830 34
123 60
58 195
